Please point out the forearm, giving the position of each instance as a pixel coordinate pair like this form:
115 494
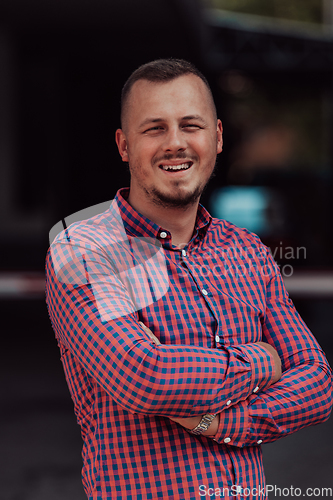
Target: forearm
165 380
302 397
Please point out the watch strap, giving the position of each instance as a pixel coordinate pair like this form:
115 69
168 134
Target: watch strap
203 424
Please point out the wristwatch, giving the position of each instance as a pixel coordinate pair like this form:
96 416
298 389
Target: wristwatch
203 424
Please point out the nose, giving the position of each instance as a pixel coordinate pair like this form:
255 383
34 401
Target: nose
174 140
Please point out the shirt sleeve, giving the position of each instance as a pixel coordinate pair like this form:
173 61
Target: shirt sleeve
94 315
302 396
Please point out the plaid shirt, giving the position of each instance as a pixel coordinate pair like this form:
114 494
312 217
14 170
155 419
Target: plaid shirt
208 304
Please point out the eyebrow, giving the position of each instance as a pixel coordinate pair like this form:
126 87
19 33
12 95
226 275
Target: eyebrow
150 120
194 117
158 120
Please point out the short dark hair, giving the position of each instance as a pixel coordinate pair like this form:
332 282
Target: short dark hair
161 70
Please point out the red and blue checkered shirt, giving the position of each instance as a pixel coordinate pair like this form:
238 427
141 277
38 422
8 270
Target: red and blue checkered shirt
208 303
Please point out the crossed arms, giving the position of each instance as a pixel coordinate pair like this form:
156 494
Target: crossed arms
192 422
176 381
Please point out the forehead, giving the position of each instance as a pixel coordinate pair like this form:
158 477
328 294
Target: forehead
182 96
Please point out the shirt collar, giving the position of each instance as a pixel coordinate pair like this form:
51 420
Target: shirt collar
137 225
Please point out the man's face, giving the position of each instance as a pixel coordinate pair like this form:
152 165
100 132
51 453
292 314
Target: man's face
170 140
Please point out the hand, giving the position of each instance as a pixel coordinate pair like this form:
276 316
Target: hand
277 360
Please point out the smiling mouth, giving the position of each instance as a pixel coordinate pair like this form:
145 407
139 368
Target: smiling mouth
176 168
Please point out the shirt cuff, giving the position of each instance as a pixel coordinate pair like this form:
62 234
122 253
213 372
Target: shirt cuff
233 426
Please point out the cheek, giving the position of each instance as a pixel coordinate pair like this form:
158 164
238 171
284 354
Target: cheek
205 147
139 166
206 151
143 153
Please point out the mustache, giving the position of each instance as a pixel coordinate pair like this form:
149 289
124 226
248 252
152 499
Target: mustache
179 156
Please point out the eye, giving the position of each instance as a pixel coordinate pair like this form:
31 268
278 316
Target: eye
154 129
192 126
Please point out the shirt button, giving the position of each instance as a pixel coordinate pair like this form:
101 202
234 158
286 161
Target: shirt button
256 389
227 440
204 292
217 338
259 441
184 253
163 234
229 402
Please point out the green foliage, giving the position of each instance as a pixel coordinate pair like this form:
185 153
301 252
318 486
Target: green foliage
298 10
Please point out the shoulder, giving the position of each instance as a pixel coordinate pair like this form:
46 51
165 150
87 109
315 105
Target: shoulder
77 240
91 226
227 233
78 245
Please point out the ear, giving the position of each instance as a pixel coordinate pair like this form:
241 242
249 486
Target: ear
122 144
219 132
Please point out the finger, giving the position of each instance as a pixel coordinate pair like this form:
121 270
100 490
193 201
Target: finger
154 339
150 333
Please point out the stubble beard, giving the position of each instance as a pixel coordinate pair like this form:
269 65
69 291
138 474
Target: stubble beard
179 199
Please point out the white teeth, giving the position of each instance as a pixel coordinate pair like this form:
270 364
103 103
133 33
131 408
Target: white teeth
183 166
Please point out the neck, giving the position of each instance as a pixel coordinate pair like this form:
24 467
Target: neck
180 221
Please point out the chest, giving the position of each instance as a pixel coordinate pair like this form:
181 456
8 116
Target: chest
208 302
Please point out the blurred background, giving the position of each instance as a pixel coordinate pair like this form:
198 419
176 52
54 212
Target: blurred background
62 66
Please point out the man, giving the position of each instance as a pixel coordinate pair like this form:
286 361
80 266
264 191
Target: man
173 326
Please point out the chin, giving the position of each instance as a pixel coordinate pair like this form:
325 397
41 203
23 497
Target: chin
176 200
